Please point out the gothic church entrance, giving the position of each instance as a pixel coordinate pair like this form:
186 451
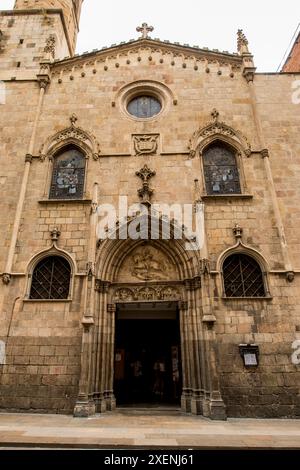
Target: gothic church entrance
147 362
151 339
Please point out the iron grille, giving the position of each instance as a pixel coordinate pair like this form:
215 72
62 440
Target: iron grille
68 175
242 277
51 279
220 171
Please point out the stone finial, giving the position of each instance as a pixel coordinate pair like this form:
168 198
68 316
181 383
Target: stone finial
55 234
145 192
242 42
144 29
215 115
73 119
238 232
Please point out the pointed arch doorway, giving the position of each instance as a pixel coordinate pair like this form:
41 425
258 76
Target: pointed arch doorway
147 363
131 276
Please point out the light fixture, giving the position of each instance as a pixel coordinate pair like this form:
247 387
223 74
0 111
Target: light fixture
249 354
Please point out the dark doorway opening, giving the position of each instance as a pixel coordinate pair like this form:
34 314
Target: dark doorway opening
147 354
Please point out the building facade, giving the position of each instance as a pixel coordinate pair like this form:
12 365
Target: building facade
292 63
89 322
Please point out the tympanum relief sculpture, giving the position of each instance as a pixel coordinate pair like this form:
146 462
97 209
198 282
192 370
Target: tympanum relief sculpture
147 263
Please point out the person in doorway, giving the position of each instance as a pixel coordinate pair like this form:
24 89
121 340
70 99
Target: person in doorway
159 369
137 374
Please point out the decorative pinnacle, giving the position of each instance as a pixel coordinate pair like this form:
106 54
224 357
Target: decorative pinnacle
215 115
242 42
55 234
73 119
238 232
144 29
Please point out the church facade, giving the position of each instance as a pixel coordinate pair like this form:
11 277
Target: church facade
200 311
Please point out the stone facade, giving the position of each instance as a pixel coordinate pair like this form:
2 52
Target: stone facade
58 355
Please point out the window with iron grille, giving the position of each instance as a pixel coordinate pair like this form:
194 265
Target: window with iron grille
243 277
220 170
51 279
68 175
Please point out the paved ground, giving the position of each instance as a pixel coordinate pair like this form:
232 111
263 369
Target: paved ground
146 428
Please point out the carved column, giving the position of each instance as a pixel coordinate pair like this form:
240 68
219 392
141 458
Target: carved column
109 392
213 405
197 396
185 357
85 405
28 159
100 333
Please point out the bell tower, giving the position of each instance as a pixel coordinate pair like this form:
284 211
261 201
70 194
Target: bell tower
68 10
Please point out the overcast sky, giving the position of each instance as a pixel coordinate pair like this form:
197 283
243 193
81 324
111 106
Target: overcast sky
268 24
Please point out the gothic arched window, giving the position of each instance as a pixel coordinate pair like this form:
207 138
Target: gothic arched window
220 170
68 175
51 279
242 277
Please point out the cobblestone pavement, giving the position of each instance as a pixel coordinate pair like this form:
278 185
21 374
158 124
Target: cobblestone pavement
146 428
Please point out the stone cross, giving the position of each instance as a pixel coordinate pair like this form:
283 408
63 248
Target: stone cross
144 29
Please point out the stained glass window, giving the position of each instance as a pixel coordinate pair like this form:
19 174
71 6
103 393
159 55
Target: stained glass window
68 175
220 170
242 277
51 279
144 106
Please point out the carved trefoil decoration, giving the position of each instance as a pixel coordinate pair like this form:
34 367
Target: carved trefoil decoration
145 193
145 144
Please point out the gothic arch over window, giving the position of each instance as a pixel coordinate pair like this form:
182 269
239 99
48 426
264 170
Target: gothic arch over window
243 276
221 173
51 279
68 174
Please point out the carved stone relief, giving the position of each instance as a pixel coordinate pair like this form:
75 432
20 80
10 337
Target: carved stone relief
147 263
145 144
153 293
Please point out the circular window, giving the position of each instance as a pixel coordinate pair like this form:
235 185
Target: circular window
144 106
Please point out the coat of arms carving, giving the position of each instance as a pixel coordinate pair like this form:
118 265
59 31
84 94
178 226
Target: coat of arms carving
145 144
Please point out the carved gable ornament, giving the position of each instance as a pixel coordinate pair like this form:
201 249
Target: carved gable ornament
215 129
71 135
145 144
